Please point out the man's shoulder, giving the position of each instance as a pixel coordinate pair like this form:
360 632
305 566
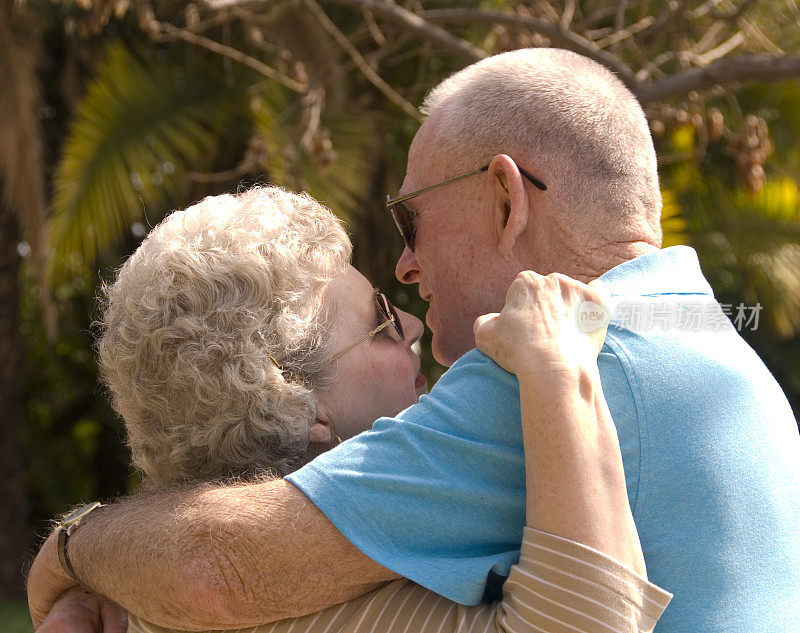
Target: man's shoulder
474 376
470 397
474 365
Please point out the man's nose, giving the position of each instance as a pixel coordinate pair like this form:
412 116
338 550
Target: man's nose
407 269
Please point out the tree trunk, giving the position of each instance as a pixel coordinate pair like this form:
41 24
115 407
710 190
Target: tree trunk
14 531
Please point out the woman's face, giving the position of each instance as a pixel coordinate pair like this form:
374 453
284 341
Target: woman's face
380 375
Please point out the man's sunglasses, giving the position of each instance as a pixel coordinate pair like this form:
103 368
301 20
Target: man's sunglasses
404 216
388 316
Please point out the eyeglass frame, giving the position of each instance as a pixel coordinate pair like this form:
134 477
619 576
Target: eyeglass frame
409 239
392 318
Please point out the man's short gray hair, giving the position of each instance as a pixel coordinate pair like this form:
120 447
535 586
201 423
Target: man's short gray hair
192 319
573 115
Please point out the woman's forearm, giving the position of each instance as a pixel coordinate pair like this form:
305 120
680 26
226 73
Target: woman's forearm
573 468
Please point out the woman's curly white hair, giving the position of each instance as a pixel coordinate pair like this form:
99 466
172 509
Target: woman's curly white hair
192 319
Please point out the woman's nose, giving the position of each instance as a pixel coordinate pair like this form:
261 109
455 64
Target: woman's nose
412 327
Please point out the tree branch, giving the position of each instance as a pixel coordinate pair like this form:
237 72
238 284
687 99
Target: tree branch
623 34
720 51
734 14
169 30
219 176
416 24
555 33
362 63
724 71
663 20
757 34
567 14
373 27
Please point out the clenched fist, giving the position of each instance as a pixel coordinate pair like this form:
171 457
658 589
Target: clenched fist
548 323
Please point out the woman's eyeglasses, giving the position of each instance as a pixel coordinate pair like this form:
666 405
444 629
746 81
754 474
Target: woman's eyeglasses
404 216
388 317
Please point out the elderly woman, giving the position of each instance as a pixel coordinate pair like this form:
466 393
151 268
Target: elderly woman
228 340
238 341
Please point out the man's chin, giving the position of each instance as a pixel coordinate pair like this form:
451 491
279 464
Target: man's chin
447 352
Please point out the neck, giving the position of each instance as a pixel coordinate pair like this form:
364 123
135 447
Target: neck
588 262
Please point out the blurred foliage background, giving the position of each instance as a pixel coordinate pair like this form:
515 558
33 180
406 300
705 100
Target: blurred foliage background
115 112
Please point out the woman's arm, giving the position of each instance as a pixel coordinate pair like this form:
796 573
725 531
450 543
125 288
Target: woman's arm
573 466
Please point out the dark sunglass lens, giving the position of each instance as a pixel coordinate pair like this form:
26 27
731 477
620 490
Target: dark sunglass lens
389 313
403 216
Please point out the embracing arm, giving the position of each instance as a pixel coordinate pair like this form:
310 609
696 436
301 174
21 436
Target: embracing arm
579 493
210 557
581 568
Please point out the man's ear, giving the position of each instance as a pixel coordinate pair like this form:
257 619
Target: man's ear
509 202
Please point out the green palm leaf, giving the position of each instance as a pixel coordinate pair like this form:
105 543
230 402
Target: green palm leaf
140 128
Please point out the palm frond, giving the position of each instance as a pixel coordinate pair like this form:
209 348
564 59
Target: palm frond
142 125
770 226
343 182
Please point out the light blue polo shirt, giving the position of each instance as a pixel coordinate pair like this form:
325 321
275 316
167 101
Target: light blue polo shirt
709 443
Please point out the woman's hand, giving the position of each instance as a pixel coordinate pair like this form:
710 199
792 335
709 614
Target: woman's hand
548 322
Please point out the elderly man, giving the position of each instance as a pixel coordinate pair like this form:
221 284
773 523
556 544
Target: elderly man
536 159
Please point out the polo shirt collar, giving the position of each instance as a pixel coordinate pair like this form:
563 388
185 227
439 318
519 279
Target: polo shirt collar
669 271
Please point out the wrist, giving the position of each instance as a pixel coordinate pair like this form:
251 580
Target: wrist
51 565
68 525
556 371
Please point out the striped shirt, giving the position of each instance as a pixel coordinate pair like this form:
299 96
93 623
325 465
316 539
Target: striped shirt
558 586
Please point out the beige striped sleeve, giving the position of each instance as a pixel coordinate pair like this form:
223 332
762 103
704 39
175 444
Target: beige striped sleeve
558 586
562 586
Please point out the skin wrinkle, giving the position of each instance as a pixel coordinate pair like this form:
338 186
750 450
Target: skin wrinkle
243 607
233 582
164 540
606 258
228 548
